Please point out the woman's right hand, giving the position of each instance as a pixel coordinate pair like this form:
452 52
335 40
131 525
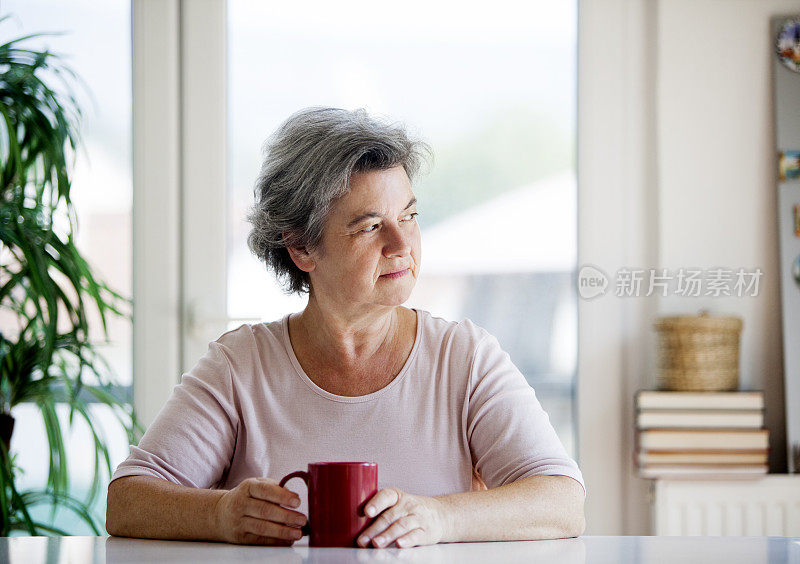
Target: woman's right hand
251 513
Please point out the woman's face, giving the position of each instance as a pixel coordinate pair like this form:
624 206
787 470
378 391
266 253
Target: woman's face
370 248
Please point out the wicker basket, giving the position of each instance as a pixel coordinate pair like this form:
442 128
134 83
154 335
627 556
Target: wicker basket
698 353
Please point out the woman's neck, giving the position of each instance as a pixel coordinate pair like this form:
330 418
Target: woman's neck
348 337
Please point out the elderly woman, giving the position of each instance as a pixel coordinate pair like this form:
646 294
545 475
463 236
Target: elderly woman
354 376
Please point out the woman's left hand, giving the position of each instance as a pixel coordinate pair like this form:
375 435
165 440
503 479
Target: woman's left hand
403 518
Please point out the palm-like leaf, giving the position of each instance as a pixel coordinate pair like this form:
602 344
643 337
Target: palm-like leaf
46 282
15 510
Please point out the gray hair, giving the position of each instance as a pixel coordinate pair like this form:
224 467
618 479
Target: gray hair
307 165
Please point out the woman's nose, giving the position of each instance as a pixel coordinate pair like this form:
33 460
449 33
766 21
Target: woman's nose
397 242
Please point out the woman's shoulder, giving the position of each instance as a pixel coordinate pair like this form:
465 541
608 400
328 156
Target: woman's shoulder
248 334
240 356
452 334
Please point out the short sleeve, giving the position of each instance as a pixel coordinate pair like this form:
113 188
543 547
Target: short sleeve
510 434
192 439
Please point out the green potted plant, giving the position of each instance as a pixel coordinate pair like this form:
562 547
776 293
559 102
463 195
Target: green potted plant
46 287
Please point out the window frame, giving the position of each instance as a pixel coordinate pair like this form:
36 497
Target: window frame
179 180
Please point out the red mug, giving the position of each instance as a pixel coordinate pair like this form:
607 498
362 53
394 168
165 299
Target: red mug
337 493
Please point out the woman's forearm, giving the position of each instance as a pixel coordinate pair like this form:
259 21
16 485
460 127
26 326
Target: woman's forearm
146 507
537 507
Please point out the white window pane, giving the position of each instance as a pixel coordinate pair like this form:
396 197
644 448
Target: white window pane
96 44
492 89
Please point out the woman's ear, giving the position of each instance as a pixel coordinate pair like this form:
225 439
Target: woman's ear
300 256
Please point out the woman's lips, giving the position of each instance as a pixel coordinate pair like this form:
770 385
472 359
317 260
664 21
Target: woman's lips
397 274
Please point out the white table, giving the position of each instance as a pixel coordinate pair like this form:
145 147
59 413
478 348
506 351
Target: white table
590 550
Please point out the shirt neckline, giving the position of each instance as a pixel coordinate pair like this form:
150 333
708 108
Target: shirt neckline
287 343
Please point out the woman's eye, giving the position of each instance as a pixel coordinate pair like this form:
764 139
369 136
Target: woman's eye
376 226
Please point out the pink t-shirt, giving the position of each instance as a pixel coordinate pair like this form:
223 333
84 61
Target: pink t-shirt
247 409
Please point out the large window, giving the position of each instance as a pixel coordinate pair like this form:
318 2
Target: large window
493 91
95 43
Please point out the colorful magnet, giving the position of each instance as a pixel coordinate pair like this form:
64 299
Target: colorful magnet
787 44
788 165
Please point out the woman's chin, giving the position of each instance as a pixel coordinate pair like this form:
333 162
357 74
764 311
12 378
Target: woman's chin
398 296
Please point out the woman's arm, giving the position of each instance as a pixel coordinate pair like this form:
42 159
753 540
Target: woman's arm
251 513
536 507
532 508
145 507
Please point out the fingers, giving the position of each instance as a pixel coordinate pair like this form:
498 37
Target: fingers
387 514
261 528
384 520
414 537
253 513
398 528
269 490
410 520
270 512
382 500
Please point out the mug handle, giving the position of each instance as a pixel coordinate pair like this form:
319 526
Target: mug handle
303 475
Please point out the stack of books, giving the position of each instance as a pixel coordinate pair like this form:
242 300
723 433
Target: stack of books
701 434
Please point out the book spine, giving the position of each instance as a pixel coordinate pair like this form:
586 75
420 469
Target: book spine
650 399
688 419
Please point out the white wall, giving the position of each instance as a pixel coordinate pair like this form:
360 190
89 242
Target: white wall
717 185
676 169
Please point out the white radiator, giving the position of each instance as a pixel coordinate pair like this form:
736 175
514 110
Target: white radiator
769 506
